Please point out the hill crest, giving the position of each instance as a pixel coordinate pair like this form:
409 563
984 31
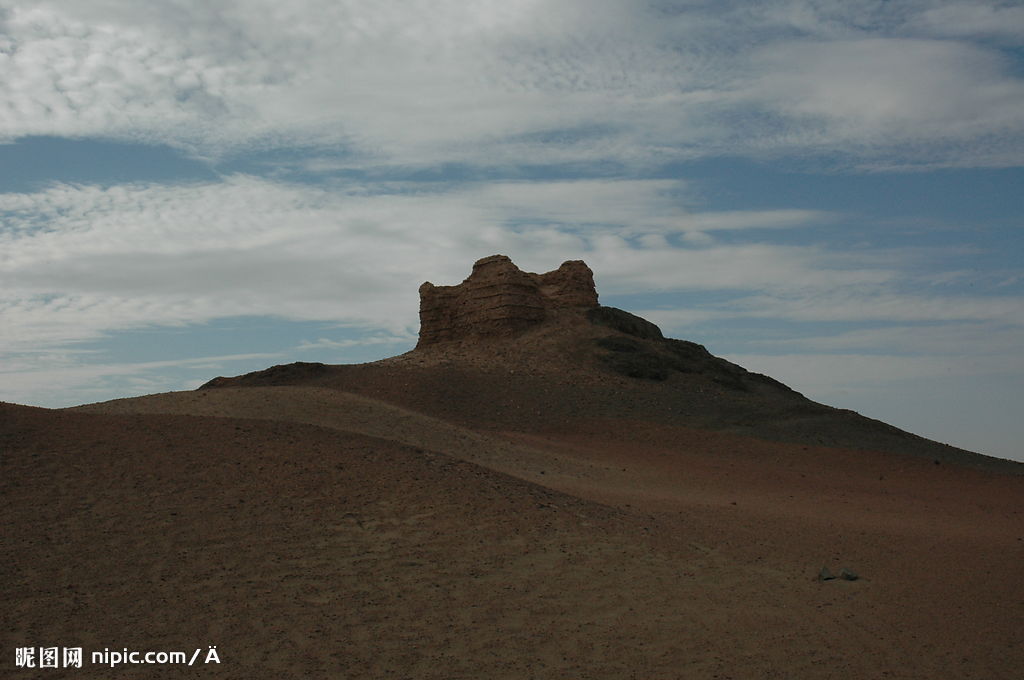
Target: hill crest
500 299
512 351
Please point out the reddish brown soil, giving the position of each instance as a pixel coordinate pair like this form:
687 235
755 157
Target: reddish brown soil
517 512
618 550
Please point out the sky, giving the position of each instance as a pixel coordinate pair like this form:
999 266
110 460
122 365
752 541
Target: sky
830 192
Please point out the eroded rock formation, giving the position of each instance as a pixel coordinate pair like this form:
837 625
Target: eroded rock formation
498 298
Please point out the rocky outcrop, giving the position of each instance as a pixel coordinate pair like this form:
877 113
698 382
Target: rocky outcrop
498 298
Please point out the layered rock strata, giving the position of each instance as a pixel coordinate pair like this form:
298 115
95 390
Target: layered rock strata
500 299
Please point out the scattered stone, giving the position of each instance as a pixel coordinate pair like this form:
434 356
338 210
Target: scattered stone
848 575
826 575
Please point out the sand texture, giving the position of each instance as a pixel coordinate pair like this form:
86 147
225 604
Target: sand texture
312 545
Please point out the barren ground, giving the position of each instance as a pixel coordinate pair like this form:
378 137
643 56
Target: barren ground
313 532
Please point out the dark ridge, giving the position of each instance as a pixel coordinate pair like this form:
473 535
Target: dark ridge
644 353
624 322
283 374
675 382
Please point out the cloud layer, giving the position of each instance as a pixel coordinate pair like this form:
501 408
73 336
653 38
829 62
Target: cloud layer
171 254
77 262
523 82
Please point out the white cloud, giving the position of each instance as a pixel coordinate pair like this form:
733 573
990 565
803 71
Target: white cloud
422 82
54 383
630 206
876 91
870 357
515 83
999 20
77 262
882 305
677 320
754 219
64 76
821 373
985 339
327 343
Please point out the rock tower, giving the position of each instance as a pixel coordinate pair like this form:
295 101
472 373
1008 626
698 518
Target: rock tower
498 298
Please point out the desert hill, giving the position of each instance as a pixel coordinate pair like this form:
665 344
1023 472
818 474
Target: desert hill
511 350
543 488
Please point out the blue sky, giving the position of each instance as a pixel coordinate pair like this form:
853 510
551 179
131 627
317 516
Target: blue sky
830 192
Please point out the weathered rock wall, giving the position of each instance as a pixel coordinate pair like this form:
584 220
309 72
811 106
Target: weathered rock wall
498 298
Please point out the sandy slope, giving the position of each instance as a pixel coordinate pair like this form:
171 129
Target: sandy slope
310 532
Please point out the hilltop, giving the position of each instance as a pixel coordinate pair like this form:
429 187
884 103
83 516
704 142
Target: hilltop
512 350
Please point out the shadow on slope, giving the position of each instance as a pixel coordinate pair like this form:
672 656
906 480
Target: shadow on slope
306 552
604 363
